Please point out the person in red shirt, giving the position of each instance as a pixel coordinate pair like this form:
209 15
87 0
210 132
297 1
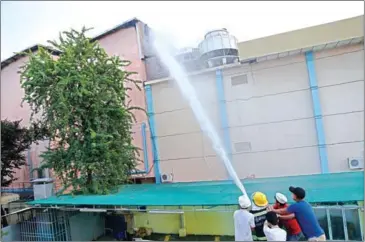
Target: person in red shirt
294 233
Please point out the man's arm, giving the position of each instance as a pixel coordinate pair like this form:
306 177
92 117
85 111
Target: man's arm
280 210
252 223
287 217
283 211
267 230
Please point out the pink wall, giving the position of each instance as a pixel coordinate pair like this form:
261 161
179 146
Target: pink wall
11 98
122 43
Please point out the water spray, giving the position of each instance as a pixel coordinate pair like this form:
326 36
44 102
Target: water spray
187 89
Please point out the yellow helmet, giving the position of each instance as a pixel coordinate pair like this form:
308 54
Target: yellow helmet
259 199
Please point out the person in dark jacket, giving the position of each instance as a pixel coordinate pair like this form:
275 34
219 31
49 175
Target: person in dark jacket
259 210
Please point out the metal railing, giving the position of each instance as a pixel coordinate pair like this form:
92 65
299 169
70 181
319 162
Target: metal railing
341 222
18 187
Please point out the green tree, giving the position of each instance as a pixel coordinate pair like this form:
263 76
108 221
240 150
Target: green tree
15 141
81 99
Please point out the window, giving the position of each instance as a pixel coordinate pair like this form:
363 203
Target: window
340 222
353 224
322 219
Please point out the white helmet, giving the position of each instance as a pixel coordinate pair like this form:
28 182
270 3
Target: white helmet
244 202
281 198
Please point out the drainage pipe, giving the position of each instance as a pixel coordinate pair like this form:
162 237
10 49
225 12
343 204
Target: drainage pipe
145 152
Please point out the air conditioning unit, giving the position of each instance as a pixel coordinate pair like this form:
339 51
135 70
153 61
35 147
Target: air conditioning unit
356 163
166 178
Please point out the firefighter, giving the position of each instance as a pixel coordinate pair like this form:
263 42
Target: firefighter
259 210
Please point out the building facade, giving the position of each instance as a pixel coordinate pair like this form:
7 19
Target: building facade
127 41
130 41
11 109
293 105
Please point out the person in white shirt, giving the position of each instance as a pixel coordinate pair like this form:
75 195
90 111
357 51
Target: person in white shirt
271 228
244 221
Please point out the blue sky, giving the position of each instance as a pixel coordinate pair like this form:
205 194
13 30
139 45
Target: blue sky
26 23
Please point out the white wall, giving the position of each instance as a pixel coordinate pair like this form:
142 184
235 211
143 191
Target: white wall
273 113
183 148
271 121
340 74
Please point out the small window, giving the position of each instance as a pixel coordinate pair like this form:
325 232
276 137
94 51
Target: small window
242 146
239 80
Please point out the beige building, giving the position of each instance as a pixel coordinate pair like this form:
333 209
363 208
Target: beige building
292 105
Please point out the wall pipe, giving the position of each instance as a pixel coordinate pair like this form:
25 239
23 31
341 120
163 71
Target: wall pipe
223 113
321 139
30 163
151 121
145 152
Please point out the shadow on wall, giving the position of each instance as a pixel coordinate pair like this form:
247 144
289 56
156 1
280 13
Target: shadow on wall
11 233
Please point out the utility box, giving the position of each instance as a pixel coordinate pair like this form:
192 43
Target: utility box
43 188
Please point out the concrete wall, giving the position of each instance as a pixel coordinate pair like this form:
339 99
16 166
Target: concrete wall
123 43
216 221
11 109
340 75
127 44
86 226
271 120
181 144
11 233
272 114
213 222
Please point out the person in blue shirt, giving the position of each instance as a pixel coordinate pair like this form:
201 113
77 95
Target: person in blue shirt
304 214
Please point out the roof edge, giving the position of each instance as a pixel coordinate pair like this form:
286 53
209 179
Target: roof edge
309 36
32 49
129 23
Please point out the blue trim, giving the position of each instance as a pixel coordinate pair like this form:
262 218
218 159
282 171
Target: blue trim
16 190
151 121
321 139
223 112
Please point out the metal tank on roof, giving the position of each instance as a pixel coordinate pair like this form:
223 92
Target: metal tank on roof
189 58
218 48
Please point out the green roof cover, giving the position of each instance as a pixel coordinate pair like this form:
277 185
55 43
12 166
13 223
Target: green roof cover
335 187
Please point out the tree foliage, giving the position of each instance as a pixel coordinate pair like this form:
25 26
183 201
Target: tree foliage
81 99
15 141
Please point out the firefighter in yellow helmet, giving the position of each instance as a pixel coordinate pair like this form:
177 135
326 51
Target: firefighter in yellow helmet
259 210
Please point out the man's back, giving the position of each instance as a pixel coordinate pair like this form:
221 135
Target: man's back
243 222
259 218
306 219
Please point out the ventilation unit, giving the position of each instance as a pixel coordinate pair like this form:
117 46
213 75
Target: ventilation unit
356 163
218 48
43 188
189 59
166 178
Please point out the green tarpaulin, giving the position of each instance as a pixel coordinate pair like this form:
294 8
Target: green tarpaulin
335 187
